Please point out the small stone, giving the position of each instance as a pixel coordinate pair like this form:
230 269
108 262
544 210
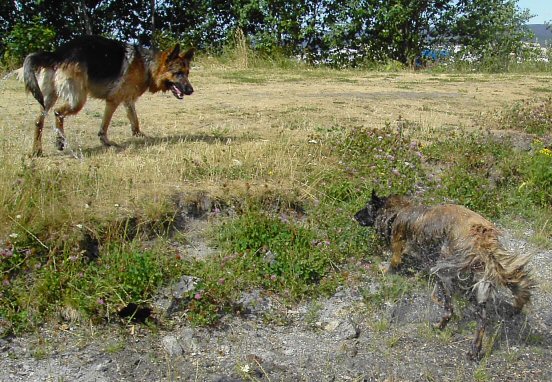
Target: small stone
172 346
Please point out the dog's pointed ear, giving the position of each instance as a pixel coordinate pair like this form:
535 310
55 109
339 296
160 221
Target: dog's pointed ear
174 53
189 54
376 201
374 196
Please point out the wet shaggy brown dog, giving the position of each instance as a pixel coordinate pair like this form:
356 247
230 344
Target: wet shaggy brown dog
457 245
102 68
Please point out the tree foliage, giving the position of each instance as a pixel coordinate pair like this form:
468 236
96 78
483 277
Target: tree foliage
341 31
25 38
491 28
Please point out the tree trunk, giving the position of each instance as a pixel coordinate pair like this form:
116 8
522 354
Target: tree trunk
86 19
152 10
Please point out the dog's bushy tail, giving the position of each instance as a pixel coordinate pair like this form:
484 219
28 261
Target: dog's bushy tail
491 265
511 272
32 62
500 268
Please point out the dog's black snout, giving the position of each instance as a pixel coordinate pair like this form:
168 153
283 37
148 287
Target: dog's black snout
188 90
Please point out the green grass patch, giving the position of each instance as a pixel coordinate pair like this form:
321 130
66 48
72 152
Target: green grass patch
493 178
383 159
346 80
542 90
390 288
283 254
34 287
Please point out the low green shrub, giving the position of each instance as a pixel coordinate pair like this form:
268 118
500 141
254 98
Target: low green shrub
538 175
533 116
37 286
274 252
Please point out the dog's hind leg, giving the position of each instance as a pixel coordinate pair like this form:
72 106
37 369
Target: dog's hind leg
446 301
61 113
483 289
60 139
39 126
477 343
133 118
46 79
110 108
71 87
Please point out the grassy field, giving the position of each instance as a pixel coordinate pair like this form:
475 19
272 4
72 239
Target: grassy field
278 160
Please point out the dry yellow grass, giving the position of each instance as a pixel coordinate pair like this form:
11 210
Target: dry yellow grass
241 130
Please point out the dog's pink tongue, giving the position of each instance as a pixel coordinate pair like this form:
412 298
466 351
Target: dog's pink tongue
177 91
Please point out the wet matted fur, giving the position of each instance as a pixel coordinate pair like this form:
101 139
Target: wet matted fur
102 68
457 245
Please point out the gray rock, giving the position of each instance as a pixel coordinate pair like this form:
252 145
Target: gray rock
188 343
342 330
254 303
103 365
172 346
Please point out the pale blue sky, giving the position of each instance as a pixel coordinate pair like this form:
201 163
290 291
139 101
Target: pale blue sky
541 8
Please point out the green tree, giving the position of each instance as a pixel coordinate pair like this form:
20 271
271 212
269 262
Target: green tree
403 28
7 12
491 30
384 30
25 38
376 30
346 30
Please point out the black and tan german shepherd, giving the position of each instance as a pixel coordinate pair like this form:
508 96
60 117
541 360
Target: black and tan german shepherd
102 68
457 245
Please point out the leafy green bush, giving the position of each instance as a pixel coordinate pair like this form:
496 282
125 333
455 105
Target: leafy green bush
275 252
385 159
120 276
538 175
493 177
26 38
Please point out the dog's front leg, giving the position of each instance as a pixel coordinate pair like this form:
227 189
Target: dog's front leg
398 248
133 118
110 108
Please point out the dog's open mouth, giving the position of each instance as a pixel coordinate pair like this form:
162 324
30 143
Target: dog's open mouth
178 93
180 90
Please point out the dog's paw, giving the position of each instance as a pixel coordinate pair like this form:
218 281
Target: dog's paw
61 143
106 142
473 356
